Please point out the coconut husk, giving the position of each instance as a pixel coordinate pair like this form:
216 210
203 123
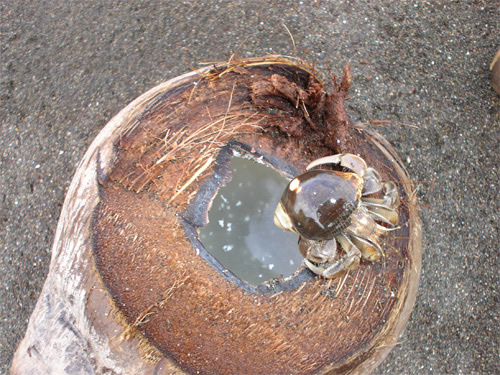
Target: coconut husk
131 288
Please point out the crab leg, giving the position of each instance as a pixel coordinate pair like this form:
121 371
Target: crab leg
389 202
372 182
370 250
384 209
353 162
386 202
329 272
320 253
383 214
349 261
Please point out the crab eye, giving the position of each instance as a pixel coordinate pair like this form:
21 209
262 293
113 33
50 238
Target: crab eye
318 204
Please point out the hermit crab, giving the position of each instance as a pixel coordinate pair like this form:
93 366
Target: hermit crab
329 206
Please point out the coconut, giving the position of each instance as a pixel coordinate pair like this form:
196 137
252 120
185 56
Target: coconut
131 288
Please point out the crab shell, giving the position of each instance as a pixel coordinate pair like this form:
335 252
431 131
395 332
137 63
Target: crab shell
318 204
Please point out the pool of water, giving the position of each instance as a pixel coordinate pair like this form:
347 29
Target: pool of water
241 233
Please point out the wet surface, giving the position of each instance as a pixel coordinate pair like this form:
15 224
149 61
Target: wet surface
241 230
67 68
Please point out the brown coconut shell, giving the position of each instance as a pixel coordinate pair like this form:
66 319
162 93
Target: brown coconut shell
131 288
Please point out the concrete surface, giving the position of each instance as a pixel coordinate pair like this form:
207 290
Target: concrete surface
67 67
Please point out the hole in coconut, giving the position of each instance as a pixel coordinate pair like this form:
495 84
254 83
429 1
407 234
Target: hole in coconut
241 233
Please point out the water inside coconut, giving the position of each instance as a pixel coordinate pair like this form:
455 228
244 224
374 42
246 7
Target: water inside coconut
241 233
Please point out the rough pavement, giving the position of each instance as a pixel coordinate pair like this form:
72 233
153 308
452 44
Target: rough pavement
67 67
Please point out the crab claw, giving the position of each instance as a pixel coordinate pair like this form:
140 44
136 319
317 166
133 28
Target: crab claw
353 162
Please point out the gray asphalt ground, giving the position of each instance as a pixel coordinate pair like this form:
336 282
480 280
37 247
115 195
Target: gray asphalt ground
67 67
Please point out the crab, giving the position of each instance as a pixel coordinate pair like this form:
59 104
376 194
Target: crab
326 207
